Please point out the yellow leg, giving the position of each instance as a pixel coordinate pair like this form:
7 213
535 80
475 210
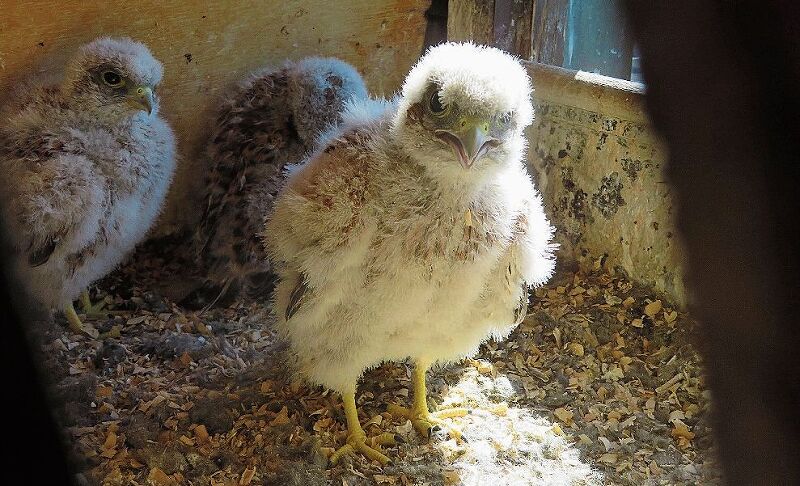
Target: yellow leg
75 322
92 309
357 439
86 302
424 421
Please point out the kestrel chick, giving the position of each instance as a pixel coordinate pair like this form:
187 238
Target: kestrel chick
274 119
86 166
415 234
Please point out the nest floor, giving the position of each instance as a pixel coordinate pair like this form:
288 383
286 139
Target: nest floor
599 385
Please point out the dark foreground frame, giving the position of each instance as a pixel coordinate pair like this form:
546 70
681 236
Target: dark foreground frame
723 87
724 90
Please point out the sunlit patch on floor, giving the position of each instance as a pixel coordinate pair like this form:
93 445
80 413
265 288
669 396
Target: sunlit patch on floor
505 444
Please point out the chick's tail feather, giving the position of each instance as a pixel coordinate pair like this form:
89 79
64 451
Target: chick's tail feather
210 294
253 286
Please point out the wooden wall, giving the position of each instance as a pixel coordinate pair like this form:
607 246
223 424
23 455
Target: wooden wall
207 46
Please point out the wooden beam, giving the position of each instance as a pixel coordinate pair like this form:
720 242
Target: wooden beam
512 26
548 31
471 20
502 31
505 24
613 97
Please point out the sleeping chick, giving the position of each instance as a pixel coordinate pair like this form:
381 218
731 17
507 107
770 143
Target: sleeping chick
274 119
415 234
86 166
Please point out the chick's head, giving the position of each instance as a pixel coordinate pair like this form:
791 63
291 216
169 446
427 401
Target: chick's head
114 78
463 110
319 89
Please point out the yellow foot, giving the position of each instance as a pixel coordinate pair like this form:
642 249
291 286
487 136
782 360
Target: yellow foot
370 448
76 325
94 310
357 440
427 423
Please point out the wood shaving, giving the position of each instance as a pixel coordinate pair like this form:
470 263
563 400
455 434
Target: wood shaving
602 374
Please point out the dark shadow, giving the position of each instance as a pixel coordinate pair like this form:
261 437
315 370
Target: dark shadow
30 408
436 31
723 82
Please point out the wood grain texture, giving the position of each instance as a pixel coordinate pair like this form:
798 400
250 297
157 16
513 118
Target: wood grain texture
505 24
549 31
207 47
512 26
471 20
522 15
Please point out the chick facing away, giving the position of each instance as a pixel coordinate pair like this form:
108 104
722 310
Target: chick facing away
273 119
412 234
86 164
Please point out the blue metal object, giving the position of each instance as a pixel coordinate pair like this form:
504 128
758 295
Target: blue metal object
598 38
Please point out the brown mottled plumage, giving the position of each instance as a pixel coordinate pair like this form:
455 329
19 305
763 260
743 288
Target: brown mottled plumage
273 120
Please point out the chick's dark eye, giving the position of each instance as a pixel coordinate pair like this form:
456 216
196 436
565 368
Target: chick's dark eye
111 78
436 105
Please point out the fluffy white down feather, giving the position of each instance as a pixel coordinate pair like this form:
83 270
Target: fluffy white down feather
375 223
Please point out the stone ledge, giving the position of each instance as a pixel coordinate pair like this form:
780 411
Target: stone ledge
615 97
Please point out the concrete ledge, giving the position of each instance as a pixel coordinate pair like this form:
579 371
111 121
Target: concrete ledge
615 97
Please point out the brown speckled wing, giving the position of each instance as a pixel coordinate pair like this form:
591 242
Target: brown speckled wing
255 136
252 141
296 298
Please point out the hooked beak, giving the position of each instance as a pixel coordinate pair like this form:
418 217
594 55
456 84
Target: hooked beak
471 142
142 97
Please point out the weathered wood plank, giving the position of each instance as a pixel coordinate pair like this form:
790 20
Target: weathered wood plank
206 47
471 20
512 26
505 24
549 31
522 14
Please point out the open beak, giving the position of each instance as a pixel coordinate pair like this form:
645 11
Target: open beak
142 98
471 142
